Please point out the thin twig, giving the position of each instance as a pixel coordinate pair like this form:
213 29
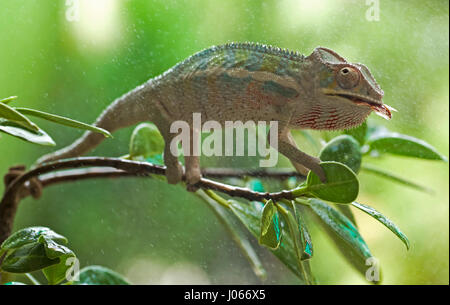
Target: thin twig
99 167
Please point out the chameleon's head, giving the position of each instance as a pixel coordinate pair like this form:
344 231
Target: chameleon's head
345 93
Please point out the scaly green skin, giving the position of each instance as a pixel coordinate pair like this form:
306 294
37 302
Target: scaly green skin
242 82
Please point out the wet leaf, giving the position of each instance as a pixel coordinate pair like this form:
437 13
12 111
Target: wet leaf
40 137
385 174
345 209
342 185
13 115
98 275
31 235
36 248
249 215
28 258
146 141
294 231
344 233
270 233
63 120
305 237
402 145
56 273
384 220
344 149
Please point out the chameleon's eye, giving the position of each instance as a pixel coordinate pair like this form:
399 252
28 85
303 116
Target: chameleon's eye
347 77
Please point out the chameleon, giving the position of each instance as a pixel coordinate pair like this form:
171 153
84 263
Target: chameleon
245 81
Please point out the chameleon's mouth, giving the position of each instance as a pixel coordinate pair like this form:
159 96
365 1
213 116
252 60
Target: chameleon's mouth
380 109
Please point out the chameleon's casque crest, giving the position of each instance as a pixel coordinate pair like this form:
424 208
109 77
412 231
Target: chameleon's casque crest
353 82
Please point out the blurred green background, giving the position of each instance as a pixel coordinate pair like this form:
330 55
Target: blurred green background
155 233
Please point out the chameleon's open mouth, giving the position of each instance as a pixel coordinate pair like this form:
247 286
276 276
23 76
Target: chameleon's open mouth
380 109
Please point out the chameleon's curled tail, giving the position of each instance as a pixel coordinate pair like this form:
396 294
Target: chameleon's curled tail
129 109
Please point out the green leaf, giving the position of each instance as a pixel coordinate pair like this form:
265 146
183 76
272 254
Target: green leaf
342 185
8 99
13 115
56 273
344 149
384 220
15 283
343 232
98 275
63 120
305 237
294 230
296 239
146 141
270 233
345 209
28 258
37 248
238 236
359 133
385 174
31 235
402 145
249 215
18 131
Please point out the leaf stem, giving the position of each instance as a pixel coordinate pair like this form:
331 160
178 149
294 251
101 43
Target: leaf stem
301 201
220 200
369 168
301 190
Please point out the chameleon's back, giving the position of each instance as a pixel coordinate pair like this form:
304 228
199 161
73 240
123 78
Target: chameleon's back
231 82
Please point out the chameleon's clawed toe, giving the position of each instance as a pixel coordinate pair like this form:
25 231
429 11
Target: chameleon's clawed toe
192 187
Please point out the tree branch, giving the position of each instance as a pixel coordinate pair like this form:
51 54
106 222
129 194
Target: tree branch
98 167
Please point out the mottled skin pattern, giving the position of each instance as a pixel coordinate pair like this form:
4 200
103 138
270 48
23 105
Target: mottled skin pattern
246 81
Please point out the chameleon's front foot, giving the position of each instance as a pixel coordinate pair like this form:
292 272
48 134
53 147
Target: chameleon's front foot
312 164
318 170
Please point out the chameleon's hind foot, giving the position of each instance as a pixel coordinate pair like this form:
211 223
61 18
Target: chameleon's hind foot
174 173
193 176
192 187
193 173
